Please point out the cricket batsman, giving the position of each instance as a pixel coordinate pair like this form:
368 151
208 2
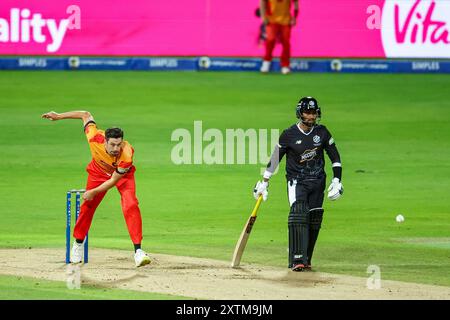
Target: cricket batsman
111 165
304 144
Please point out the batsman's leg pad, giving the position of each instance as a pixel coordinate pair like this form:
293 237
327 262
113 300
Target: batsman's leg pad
316 216
298 224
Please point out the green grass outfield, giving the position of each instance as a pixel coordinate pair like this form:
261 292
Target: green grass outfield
25 288
393 132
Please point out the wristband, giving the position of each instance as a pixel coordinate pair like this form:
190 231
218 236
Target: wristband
267 174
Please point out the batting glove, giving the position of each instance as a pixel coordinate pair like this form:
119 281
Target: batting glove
261 188
335 190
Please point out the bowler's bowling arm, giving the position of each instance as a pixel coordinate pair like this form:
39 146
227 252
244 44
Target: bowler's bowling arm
83 115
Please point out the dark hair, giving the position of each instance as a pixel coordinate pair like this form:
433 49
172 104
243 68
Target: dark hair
114 133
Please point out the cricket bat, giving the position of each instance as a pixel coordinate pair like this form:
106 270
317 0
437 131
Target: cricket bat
242 242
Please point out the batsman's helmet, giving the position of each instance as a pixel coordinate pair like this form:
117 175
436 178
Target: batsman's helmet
308 104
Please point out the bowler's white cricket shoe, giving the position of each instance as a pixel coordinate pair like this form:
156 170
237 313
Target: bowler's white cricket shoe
141 258
265 67
285 70
76 255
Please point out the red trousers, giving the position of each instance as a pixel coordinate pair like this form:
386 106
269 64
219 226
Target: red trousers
130 206
274 30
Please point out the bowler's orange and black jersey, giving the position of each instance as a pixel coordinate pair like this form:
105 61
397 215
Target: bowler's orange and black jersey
305 152
100 170
102 162
279 11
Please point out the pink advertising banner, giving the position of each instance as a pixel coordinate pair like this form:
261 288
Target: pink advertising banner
326 28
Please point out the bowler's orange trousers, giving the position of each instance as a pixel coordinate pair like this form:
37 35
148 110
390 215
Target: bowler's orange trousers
130 204
274 30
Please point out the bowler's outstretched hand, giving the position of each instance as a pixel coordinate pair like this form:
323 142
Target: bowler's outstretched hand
52 115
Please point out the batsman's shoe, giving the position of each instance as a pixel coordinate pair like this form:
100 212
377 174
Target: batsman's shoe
76 255
298 267
265 67
285 70
308 267
141 258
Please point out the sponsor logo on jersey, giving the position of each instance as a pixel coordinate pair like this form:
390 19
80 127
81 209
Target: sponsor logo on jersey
298 142
308 155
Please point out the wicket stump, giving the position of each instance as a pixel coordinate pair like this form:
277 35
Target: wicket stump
69 220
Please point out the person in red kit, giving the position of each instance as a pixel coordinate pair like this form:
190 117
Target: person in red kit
111 165
276 15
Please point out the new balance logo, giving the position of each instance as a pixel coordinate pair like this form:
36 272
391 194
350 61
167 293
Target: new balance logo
298 142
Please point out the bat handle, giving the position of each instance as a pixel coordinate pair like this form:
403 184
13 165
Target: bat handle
255 209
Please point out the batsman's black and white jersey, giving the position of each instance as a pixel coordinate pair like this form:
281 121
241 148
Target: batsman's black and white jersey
305 153
304 145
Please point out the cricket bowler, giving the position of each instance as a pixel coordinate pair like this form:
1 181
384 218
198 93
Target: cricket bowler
304 144
111 165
